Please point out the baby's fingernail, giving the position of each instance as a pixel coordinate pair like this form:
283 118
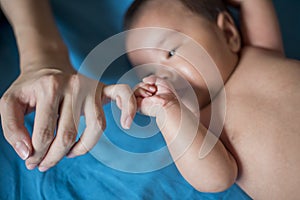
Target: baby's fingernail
43 169
127 123
22 150
149 93
152 88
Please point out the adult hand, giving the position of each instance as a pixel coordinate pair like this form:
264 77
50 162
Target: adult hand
59 98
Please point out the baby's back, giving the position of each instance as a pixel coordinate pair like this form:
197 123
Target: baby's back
262 127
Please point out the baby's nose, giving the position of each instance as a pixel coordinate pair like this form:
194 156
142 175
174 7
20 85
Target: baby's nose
165 74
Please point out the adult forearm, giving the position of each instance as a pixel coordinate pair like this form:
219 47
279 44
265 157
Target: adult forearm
37 36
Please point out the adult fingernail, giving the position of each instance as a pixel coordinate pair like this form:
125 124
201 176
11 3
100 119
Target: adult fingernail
43 169
31 166
71 155
22 150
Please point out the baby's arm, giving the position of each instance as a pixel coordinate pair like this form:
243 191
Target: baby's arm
184 135
259 24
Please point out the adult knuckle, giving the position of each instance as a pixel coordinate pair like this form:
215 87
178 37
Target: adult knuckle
68 138
11 125
49 87
74 85
5 99
45 135
74 81
125 87
54 86
53 82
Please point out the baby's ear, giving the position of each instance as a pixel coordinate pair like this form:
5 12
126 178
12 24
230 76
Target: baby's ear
231 33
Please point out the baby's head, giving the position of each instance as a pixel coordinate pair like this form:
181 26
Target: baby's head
204 22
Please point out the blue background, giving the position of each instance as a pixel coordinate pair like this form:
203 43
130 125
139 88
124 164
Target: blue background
83 25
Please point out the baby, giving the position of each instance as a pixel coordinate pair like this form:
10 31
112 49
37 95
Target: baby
260 141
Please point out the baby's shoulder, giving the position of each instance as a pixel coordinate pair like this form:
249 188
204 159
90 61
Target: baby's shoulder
259 67
254 54
258 60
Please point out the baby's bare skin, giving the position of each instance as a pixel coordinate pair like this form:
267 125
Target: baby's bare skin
260 143
262 125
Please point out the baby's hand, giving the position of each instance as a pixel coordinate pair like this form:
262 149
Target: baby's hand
153 95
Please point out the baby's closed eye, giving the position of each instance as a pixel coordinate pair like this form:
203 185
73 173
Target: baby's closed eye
172 53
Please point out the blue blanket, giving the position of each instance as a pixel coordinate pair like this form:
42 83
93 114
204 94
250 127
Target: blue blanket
83 25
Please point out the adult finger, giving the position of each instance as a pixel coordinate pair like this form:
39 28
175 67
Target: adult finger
44 126
66 133
125 100
95 124
12 118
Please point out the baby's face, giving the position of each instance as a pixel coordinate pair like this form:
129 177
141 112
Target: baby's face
183 44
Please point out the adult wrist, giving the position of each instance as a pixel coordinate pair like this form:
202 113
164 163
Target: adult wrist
45 58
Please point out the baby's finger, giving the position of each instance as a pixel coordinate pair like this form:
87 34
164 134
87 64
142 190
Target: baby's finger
139 103
144 90
162 85
150 79
12 117
149 87
141 92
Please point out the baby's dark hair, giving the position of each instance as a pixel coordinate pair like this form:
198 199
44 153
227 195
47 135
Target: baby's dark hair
206 8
